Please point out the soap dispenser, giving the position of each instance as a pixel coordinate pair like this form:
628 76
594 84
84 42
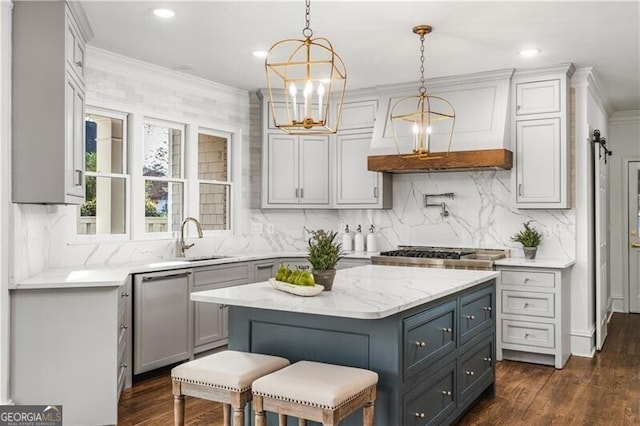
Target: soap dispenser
358 240
371 239
347 242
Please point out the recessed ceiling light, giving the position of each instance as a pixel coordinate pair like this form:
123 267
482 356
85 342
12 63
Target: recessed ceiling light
260 53
527 53
164 13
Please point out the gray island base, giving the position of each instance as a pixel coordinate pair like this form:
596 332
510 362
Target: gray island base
434 355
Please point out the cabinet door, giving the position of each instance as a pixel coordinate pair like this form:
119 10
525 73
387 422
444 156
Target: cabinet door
355 183
74 130
538 97
74 48
314 170
208 326
282 169
538 162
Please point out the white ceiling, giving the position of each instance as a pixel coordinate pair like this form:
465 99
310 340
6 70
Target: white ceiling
375 40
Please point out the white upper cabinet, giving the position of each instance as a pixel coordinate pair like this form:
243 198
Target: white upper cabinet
538 97
48 102
316 171
538 161
297 171
354 185
540 132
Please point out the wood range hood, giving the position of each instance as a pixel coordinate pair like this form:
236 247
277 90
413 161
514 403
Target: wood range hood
486 159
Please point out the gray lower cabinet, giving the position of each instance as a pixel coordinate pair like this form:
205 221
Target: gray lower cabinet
210 319
263 270
162 334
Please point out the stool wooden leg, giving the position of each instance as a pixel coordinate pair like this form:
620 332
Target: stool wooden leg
178 404
302 422
238 416
330 418
226 409
367 414
282 419
259 410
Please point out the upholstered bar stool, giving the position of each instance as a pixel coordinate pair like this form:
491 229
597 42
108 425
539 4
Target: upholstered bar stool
315 391
223 377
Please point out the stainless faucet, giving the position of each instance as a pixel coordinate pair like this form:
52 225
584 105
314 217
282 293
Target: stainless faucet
181 244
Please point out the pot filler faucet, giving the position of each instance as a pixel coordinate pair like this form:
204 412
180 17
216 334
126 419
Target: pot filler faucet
181 244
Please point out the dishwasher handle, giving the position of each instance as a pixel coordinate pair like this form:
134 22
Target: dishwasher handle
164 277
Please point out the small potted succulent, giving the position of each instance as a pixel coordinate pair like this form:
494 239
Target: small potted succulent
530 239
323 254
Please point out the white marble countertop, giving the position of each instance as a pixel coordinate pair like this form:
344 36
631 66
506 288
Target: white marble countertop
536 263
365 292
116 275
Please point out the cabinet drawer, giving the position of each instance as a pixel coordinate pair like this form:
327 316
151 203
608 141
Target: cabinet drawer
529 278
476 313
430 404
475 365
534 304
223 275
428 336
528 333
538 97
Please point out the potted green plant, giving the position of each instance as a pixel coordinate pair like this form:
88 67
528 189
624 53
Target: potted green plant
323 254
530 239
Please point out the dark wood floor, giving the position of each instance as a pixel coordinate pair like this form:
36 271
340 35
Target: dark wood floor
604 390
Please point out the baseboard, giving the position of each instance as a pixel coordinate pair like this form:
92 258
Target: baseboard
619 305
583 343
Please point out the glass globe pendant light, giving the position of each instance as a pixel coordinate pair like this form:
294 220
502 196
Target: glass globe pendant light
416 120
306 80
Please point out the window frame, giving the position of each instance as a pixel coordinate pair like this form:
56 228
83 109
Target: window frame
135 119
195 181
139 231
90 238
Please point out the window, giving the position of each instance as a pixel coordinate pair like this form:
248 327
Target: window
163 173
104 211
141 184
214 182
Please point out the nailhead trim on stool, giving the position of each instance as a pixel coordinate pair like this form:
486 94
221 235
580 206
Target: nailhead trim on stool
223 377
315 391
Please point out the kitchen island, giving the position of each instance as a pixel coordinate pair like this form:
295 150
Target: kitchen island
428 333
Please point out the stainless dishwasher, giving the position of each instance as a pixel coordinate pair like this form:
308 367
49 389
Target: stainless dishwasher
162 332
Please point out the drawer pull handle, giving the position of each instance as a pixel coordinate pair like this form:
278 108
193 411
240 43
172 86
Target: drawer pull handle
124 326
420 415
447 330
421 344
446 393
124 294
470 373
123 365
487 308
470 317
487 359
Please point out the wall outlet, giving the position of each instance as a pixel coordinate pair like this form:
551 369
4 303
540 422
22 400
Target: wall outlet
256 228
271 228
